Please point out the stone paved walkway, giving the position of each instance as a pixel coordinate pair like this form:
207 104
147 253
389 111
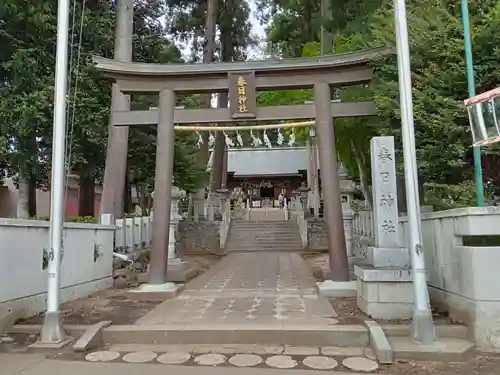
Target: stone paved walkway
258 288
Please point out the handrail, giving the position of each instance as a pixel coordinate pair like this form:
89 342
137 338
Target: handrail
225 222
301 220
285 207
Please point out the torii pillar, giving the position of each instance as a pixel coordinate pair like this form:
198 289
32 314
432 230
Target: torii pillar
330 182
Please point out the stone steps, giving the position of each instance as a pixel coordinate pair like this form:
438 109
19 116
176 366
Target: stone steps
265 236
269 239
224 334
271 339
257 232
264 241
257 349
266 225
252 249
249 236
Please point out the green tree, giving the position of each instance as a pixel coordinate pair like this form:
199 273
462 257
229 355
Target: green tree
89 98
439 80
438 74
27 36
27 75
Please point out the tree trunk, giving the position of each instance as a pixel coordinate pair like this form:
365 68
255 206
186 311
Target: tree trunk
143 199
363 173
219 147
33 149
227 52
32 198
128 206
23 193
86 195
326 35
208 57
308 22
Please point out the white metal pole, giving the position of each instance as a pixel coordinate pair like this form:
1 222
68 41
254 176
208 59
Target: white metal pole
52 331
423 326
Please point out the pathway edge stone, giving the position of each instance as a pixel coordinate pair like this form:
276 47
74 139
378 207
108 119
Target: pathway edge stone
379 342
92 337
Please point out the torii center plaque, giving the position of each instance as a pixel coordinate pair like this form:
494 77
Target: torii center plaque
242 99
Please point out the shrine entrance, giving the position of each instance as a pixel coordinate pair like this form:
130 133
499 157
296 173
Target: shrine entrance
267 192
239 81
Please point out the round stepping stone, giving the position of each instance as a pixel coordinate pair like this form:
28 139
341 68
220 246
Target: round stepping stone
174 358
320 363
210 359
102 356
369 353
139 357
245 360
360 364
281 361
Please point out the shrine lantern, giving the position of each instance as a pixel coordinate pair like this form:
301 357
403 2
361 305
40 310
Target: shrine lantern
484 117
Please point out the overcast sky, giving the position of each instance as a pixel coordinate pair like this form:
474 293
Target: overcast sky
258 29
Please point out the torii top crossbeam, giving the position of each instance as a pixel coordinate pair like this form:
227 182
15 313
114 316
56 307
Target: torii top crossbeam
350 59
336 70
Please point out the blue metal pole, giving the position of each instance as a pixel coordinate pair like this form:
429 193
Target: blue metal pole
478 172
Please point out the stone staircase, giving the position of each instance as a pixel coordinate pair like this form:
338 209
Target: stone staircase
266 214
252 236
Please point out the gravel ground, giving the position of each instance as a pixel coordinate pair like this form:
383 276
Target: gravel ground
115 305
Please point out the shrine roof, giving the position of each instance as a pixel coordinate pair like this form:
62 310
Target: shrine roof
277 161
361 57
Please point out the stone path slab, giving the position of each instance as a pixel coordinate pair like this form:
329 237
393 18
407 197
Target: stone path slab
258 288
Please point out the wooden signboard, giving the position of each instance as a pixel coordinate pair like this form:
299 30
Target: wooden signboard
242 101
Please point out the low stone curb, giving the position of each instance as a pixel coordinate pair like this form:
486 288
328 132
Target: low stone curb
379 342
92 337
8 319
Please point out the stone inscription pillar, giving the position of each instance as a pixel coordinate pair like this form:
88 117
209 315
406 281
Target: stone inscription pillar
387 251
163 188
330 182
384 282
385 204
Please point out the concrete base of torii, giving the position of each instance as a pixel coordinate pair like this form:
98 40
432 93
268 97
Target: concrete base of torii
157 292
332 289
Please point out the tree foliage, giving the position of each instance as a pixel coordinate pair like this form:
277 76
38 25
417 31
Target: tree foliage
438 74
186 22
439 81
27 61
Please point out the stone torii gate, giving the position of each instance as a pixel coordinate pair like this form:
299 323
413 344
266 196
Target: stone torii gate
242 80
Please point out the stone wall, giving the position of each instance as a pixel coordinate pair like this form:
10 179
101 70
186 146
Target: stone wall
316 234
463 276
86 265
199 238
317 239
